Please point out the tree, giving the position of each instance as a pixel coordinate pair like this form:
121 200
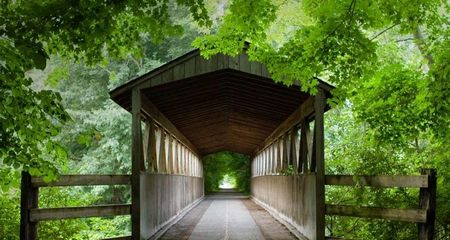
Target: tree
82 30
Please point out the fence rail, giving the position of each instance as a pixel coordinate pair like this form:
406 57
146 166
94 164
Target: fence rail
31 214
83 180
424 216
378 181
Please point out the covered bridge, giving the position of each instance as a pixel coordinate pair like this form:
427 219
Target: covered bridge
191 107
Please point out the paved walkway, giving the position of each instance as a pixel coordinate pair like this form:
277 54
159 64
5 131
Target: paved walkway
227 217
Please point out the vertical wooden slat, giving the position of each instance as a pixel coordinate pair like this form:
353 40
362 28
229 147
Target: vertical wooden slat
162 152
284 140
303 160
427 201
293 149
319 108
151 147
278 153
28 200
170 155
137 164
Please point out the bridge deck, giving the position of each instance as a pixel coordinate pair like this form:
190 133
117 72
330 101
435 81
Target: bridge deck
227 216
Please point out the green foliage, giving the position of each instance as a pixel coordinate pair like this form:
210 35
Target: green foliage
88 30
233 165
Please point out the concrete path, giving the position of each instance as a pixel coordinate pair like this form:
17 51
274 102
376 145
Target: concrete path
227 218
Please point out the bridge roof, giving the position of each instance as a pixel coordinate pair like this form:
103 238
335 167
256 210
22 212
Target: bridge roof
224 103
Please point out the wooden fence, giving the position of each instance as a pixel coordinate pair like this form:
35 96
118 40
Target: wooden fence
424 216
31 214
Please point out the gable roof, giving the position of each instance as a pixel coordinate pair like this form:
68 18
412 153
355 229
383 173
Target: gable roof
223 103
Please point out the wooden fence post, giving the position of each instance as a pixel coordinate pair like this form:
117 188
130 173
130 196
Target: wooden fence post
28 200
427 201
137 164
319 162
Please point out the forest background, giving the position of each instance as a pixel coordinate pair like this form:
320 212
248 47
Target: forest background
389 60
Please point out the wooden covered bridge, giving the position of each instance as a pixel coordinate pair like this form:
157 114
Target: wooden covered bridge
191 107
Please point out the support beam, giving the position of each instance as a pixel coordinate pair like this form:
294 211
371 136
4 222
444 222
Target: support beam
305 109
150 110
319 109
29 200
303 160
427 202
137 164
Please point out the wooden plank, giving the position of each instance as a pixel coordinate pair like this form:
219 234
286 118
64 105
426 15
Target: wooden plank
162 152
304 110
145 79
377 181
83 180
319 139
427 202
404 215
137 164
150 110
79 212
151 147
303 159
118 238
28 200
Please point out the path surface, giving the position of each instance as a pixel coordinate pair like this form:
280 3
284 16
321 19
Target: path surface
225 217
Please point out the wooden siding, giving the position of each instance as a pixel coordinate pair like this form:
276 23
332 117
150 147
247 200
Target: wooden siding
292 197
163 197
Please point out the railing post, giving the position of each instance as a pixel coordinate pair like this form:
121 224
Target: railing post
137 165
319 160
427 201
28 200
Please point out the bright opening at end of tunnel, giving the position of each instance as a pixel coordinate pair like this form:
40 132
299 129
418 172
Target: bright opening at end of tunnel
227 182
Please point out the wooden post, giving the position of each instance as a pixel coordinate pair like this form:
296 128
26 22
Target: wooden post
293 148
28 201
427 201
303 160
137 164
319 108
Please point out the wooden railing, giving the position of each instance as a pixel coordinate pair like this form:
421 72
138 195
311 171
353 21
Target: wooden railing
424 216
31 214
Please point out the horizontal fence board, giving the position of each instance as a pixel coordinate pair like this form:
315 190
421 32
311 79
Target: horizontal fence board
377 181
118 238
83 180
405 215
79 212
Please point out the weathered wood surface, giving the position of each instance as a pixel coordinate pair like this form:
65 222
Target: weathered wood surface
319 153
377 181
118 238
406 215
137 163
293 197
79 212
298 115
427 202
83 180
163 196
151 111
28 200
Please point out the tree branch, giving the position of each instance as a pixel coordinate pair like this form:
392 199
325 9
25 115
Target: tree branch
385 30
404 40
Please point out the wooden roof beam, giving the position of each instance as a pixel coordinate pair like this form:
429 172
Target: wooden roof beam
304 110
150 110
